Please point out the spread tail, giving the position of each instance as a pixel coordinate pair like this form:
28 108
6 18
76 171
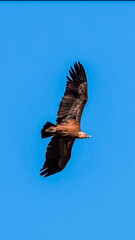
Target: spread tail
44 133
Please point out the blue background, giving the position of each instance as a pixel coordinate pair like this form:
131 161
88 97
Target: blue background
94 196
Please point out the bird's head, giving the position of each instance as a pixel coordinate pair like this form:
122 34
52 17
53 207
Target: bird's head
83 135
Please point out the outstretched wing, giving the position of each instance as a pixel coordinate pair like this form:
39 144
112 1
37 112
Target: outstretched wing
75 96
57 155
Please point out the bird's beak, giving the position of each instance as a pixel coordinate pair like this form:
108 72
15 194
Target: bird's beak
88 136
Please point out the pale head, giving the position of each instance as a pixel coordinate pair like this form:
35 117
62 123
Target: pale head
83 135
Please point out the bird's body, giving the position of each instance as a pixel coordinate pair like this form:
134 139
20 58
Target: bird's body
67 128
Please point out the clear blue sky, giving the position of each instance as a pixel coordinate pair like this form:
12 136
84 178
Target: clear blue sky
94 197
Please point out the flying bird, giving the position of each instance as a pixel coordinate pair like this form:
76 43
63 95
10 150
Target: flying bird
67 127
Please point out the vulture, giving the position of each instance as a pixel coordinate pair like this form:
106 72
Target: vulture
67 127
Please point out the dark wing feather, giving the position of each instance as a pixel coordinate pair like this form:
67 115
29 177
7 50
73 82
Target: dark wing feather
57 155
75 96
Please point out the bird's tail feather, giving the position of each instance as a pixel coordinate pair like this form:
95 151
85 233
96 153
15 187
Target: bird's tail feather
44 133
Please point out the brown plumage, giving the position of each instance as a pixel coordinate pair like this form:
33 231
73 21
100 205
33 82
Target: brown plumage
67 127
